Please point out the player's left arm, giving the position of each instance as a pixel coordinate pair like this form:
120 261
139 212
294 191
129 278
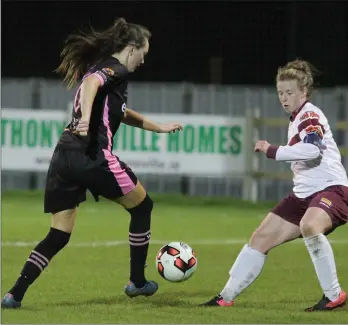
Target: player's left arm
311 146
135 119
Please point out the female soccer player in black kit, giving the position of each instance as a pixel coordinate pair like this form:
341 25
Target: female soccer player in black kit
83 157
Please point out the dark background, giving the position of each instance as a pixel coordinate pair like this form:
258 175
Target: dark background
253 39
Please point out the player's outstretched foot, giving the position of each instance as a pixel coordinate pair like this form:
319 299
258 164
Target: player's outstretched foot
217 301
326 304
148 289
9 302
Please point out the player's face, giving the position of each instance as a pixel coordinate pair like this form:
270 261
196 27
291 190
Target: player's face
138 56
290 95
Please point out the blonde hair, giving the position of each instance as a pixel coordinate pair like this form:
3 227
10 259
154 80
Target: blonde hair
301 71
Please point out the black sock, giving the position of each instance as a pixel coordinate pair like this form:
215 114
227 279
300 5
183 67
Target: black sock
38 261
139 238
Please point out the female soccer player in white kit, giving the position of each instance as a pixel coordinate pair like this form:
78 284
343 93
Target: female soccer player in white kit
318 204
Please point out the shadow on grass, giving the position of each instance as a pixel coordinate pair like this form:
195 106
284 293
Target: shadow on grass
165 299
288 305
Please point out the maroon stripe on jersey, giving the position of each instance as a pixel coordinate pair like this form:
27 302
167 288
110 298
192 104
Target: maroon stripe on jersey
306 123
293 115
295 139
272 151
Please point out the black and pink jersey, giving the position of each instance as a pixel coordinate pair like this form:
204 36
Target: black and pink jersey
108 108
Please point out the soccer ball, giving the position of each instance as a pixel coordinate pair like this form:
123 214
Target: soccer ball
176 262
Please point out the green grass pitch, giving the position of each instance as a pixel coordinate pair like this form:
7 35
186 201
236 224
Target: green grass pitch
84 283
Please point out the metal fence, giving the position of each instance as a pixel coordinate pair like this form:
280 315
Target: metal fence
183 98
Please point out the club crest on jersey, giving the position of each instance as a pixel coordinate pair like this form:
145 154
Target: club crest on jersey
108 71
325 202
314 128
307 115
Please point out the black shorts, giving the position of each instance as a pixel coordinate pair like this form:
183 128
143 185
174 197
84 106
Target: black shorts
72 172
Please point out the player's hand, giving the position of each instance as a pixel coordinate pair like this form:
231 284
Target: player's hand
261 145
170 127
82 128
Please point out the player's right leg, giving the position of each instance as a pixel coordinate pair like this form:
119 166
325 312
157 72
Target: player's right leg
57 238
280 225
272 232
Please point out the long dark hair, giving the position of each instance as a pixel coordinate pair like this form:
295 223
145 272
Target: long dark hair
84 49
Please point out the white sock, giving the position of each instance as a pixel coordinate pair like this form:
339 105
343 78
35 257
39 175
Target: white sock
323 259
243 273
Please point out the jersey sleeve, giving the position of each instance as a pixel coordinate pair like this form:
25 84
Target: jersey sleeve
311 122
308 143
298 152
108 73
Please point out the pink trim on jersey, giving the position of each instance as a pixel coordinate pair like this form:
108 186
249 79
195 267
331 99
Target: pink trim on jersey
76 105
99 77
124 181
86 75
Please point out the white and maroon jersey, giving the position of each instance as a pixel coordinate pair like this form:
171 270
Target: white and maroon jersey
314 169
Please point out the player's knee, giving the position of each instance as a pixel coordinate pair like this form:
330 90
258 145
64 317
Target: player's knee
145 207
315 221
309 227
58 238
261 240
64 220
141 214
54 241
266 236
149 203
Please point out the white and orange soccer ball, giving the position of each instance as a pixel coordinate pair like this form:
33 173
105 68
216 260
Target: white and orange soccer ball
176 262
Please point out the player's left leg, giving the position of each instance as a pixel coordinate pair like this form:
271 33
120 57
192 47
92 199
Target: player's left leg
115 181
139 205
327 211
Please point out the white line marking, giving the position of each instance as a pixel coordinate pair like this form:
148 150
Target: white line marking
160 242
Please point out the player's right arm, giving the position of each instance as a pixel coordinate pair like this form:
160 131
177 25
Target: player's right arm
99 76
309 149
310 146
302 151
89 90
